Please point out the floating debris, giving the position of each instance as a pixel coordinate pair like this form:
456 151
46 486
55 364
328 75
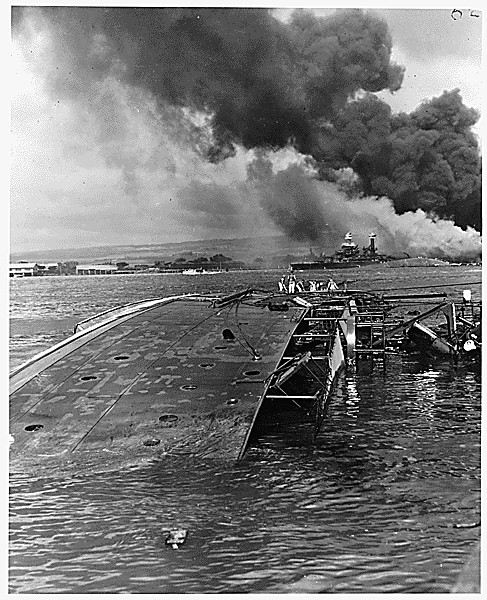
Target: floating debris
426 338
469 345
176 538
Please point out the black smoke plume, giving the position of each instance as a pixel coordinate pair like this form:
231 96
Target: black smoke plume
229 78
264 83
428 159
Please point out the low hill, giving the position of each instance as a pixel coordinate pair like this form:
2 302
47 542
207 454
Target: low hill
245 249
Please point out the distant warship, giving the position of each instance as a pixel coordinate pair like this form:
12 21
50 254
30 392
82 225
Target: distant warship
347 257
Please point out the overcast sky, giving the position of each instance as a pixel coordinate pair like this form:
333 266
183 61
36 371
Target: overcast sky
67 191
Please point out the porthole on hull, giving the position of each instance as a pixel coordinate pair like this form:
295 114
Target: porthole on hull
35 427
168 419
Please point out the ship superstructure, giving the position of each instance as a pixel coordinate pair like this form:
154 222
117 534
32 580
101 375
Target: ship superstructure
349 255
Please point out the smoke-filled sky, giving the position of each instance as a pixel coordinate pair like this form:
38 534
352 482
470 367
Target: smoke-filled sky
143 126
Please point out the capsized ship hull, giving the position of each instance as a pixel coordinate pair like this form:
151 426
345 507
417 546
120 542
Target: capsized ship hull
180 375
190 375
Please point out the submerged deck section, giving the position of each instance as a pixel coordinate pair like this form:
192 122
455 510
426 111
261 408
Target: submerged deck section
178 377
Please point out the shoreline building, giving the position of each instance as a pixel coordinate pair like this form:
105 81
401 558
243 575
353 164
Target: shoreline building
48 268
23 269
96 269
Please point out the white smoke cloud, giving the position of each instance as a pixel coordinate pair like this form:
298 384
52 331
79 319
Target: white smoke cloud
414 233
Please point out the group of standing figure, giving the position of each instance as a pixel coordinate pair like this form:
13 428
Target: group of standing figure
289 285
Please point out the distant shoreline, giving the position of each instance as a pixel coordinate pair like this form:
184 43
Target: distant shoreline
147 273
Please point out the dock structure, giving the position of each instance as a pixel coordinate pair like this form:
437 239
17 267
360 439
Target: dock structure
191 375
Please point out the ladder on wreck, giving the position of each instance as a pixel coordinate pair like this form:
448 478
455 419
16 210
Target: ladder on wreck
335 332
330 336
320 370
363 329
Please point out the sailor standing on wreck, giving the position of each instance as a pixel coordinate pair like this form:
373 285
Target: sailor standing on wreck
292 283
331 285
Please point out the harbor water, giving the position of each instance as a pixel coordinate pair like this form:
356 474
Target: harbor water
383 500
